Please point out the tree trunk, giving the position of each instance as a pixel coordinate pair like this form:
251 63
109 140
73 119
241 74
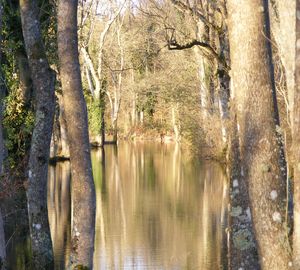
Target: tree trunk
176 125
204 83
25 78
114 124
83 190
260 152
141 117
203 70
242 244
283 18
224 79
102 116
64 151
43 83
224 82
296 148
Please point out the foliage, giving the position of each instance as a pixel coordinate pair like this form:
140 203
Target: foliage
146 103
94 108
18 124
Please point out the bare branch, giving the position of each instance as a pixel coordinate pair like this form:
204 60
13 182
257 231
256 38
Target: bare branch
195 13
173 45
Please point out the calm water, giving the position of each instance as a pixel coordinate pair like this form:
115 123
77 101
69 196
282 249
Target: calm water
156 209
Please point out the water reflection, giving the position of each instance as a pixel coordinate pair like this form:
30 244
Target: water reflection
59 212
156 209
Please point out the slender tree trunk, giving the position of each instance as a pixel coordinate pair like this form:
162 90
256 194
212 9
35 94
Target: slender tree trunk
204 83
134 96
83 190
114 124
133 112
176 125
65 151
296 148
224 79
260 152
102 116
90 81
43 83
142 117
203 70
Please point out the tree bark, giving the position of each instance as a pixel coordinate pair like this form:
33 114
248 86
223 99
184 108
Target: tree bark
296 147
224 78
283 17
43 83
83 190
260 152
242 246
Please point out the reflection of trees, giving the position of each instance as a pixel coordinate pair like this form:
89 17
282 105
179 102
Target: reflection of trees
159 209
59 212
155 209
98 160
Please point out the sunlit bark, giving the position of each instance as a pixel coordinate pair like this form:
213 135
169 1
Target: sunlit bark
83 190
260 151
43 83
296 147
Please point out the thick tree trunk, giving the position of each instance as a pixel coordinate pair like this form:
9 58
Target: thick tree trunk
296 148
83 190
260 152
43 83
242 244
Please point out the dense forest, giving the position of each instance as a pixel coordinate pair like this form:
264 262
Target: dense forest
218 78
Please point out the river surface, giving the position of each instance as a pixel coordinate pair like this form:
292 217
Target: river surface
156 209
